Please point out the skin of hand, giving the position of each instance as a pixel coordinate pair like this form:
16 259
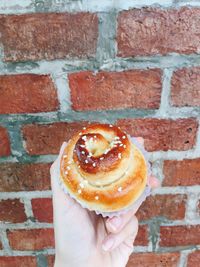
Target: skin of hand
85 239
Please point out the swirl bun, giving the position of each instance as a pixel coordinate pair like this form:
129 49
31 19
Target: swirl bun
102 169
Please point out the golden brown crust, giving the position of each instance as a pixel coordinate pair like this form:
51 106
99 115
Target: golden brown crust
102 169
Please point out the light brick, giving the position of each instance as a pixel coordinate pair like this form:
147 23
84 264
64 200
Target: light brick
32 239
185 89
173 236
152 31
47 139
4 142
27 93
161 205
24 177
115 90
153 260
12 211
42 209
181 173
163 134
18 261
48 36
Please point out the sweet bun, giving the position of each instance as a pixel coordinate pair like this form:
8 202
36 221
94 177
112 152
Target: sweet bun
102 169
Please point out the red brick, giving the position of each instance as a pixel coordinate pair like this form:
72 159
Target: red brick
142 236
50 260
185 87
42 209
4 142
12 210
27 93
153 260
48 36
194 259
151 31
18 261
24 177
33 239
161 205
40 139
115 90
171 236
184 172
163 134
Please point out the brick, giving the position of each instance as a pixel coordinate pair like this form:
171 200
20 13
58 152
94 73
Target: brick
42 209
12 211
185 87
24 177
50 260
27 93
172 236
142 236
4 142
40 139
153 260
184 172
193 259
163 134
115 90
48 36
161 205
18 261
151 31
32 239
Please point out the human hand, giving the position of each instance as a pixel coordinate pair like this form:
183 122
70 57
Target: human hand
85 239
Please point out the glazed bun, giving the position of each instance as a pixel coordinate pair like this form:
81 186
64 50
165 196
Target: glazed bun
102 169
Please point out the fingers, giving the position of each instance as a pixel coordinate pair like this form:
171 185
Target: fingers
140 140
117 223
154 182
54 165
112 241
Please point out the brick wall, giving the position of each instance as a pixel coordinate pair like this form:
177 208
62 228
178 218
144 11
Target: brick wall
64 64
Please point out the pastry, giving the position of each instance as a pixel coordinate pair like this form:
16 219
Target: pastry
103 169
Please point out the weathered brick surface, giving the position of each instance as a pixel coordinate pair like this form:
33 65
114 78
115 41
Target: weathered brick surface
151 31
24 177
193 259
161 205
32 239
29 93
181 172
18 261
142 236
42 209
12 210
163 134
50 260
171 236
185 87
47 139
48 36
4 142
115 90
153 260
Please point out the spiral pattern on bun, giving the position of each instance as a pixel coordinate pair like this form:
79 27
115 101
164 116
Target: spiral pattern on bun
102 169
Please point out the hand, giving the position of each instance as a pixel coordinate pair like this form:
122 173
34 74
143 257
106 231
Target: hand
85 239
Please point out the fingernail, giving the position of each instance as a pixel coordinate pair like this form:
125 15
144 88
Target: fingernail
108 244
115 222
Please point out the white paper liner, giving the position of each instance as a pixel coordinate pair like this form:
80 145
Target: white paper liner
138 202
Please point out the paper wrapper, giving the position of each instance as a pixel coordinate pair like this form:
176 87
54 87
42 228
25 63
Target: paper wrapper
138 202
